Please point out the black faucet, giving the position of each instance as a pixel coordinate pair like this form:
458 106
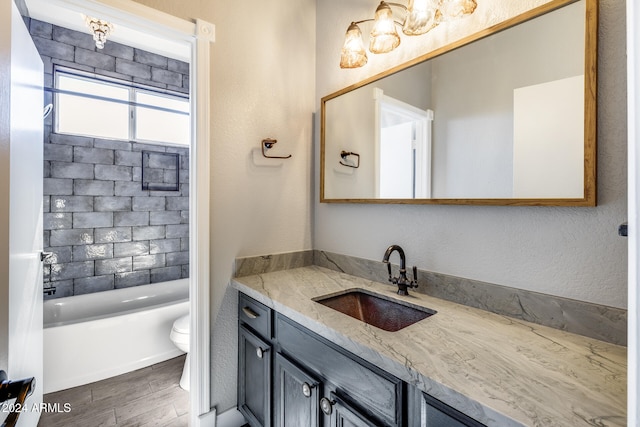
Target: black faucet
402 281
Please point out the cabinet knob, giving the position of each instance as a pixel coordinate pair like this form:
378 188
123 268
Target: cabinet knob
326 405
306 389
261 351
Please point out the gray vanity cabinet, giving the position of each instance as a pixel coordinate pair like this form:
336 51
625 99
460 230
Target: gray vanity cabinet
289 376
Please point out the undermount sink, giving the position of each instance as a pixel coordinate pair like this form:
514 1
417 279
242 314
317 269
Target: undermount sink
376 310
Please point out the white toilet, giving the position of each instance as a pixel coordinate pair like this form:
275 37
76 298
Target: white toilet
180 338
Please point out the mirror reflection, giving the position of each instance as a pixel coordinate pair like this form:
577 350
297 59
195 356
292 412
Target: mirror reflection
498 120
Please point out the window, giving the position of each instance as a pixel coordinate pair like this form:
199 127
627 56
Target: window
96 106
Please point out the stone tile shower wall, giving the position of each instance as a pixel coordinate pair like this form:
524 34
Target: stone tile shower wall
103 229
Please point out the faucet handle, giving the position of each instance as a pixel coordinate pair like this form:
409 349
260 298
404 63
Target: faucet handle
414 282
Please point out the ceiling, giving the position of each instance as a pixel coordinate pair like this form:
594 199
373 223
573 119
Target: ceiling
70 14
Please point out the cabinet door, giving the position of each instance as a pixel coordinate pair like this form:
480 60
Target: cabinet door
344 415
296 396
254 379
434 413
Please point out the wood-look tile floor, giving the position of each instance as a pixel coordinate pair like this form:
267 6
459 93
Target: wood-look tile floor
147 397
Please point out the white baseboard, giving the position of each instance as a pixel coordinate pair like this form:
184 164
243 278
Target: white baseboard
230 418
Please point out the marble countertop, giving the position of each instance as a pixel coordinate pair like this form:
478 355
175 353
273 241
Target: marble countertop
502 371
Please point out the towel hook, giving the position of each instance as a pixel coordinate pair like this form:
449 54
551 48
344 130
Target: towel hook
345 154
267 144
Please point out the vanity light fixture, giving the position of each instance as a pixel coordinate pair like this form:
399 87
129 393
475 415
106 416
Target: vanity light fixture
420 17
99 29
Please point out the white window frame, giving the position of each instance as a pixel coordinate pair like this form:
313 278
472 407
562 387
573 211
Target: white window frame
133 89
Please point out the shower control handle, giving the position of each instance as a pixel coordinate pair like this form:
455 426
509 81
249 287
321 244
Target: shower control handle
45 256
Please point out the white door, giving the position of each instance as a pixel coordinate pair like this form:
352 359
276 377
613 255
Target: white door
21 133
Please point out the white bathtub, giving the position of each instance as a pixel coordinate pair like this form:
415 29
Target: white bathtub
91 337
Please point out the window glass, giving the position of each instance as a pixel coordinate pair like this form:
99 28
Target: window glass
169 124
89 116
90 106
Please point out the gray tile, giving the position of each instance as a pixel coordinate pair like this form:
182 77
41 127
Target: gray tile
178 204
46 204
149 203
164 218
134 278
177 258
57 152
57 221
139 146
149 58
40 29
149 233
54 49
46 169
113 266
131 218
112 204
78 141
137 173
113 172
71 237
164 246
178 66
184 244
71 170
60 254
93 155
89 285
152 175
174 231
185 217
146 262
125 188
128 158
71 203
93 252
83 187
57 186
95 59
46 238
118 50
112 144
133 69
185 271
71 270
131 249
93 219
160 161
166 76
113 235
72 64
166 274
74 38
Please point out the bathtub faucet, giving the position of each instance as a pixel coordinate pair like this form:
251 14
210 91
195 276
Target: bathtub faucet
49 290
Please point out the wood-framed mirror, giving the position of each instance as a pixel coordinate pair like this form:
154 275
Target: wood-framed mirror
506 116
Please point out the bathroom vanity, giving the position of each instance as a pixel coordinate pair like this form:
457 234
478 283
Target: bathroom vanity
304 363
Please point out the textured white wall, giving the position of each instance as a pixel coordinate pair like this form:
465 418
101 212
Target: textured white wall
263 65
569 252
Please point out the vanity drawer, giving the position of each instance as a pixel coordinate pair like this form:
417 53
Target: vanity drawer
255 315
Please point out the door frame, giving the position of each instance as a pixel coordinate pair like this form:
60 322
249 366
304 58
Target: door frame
198 35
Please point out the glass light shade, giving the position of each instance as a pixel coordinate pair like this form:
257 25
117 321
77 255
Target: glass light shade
353 53
421 17
384 37
453 9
